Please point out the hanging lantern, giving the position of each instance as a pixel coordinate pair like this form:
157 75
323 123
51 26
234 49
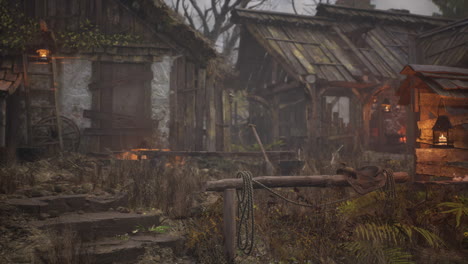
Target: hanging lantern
43 54
386 106
440 132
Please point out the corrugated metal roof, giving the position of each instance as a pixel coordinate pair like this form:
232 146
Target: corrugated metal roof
445 81
341 13
447 45
334 51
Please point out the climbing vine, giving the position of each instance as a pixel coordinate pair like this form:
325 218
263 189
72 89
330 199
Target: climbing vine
18 31
89 36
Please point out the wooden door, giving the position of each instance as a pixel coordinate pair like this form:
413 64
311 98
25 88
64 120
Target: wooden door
126 98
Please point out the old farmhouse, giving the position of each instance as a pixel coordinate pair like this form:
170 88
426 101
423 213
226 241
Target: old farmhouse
148 92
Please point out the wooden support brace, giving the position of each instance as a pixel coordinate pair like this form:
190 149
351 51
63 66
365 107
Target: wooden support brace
229 227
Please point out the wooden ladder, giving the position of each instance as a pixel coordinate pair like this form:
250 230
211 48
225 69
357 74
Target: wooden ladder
52 98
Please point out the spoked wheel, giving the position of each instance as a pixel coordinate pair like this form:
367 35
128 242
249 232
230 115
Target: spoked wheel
45 133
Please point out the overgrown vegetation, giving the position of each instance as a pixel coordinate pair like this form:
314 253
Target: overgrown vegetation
414 228
18 32
421 225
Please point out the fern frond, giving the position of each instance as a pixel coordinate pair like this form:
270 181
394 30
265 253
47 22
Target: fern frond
395 234
397 256
367 252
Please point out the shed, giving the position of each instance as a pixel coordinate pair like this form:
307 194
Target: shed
321 79
437 90
148 93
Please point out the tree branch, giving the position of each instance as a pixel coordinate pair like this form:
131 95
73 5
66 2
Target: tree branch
293 3
206 28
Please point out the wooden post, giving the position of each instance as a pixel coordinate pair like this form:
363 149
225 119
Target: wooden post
275 118
173 108
27 99
229 227
57 101
3 118
210 115
227 120
200 108
312 122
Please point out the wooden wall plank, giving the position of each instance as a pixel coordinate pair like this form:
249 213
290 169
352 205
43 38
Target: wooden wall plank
440 170
200 108
441 155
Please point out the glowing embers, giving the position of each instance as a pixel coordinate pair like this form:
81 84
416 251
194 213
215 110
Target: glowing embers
402 134
136 154
146 154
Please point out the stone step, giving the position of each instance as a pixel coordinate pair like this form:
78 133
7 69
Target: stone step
68 203
92 226
118 250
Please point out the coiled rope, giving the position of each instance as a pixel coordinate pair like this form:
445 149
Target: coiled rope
245 211
246 226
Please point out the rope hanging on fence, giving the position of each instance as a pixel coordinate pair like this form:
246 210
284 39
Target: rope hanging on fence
246 206
245 213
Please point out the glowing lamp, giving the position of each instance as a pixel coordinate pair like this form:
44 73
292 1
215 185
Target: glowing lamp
43 54
441 132
386 106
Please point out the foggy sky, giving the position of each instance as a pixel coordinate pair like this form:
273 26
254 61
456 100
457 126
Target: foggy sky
422 7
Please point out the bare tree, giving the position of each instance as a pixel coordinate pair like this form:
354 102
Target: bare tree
213 20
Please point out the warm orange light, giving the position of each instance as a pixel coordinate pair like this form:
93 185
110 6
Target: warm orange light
43 53
442 139
133 155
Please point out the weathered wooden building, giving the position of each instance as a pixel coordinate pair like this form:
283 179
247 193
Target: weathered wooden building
328 79
161 89
436 88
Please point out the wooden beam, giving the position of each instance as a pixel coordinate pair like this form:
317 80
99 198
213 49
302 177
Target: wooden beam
351 84
127 131
252 154
291 181
91 114
282 87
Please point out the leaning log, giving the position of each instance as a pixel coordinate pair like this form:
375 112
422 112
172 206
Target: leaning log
292 181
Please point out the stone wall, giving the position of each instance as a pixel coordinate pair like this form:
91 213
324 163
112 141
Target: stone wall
160 102
74 78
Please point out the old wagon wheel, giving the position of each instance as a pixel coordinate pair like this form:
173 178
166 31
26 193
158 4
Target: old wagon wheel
45 133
